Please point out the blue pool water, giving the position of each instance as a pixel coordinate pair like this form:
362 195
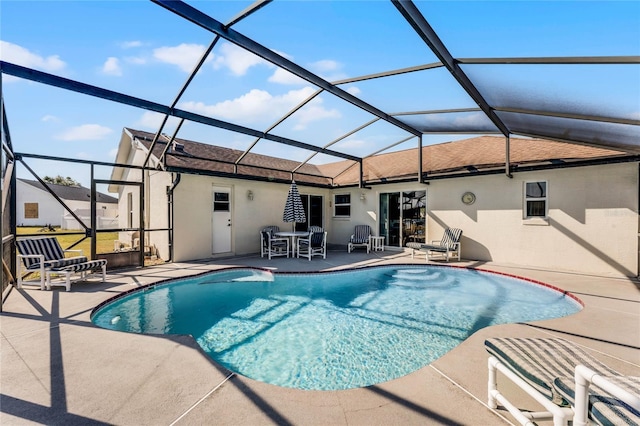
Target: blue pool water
337 330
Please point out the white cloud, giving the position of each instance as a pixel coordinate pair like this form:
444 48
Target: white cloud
254 106
130 44
314 111
258 106
49 117
325 65
153 120
185 55
138 60
112 67
10 52
236 59
283 76
354 90
85 132
328 69
350 143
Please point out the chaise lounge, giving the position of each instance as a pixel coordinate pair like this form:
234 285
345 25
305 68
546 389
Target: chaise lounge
448 246
46 256
569 383
40 255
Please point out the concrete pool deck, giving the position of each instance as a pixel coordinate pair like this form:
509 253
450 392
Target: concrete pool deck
56 367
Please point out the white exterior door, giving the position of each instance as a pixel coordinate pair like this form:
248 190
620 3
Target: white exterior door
221 220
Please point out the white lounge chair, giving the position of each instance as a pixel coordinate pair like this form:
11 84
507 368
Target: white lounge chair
557 373
360 238
448 246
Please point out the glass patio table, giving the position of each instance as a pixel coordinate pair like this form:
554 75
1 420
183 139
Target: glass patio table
292 235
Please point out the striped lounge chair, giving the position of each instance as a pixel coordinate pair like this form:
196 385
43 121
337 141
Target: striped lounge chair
447 246
40 255
548 369
81 268
360 238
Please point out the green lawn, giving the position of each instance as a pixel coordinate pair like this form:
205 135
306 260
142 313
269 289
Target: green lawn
104 243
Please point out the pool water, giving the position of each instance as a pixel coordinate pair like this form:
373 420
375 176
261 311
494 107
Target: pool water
329 331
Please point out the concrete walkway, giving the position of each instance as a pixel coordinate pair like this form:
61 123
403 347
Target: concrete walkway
58 368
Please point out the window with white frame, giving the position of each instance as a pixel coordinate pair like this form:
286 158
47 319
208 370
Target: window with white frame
535 199
342 205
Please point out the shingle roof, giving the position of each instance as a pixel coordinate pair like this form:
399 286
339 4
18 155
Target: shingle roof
463 156
75 193
468 156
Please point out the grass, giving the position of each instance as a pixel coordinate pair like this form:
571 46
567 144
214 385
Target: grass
104 243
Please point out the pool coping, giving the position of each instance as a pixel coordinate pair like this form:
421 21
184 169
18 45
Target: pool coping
58 367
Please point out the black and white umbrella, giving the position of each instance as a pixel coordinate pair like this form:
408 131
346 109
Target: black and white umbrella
293 207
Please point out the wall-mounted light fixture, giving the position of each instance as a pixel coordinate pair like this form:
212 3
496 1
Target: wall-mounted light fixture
250 195
363 196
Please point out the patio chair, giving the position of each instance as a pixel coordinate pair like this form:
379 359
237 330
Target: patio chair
557 373
449 245
272 229
273 246
360 238
40 255
314 245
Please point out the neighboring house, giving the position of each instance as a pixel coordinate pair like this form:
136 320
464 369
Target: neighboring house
37 207
565 206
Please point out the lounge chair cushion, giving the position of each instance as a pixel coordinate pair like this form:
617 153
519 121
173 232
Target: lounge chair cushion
604 408
540 361
430 247
60 263
79 267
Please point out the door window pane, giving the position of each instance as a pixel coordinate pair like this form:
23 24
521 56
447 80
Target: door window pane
221 202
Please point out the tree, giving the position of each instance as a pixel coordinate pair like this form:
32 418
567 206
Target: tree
59 180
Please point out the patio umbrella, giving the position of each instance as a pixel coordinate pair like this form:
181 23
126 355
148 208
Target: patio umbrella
293 207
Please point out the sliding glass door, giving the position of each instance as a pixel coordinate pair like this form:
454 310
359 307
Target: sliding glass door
402 217
313 209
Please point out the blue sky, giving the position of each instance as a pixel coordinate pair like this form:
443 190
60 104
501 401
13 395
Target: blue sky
138 48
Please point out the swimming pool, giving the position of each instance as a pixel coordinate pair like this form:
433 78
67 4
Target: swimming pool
334 330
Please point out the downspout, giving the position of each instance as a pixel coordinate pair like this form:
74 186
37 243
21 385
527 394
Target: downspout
170 189
507 154
420 179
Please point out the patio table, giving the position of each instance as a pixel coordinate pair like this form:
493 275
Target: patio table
293 235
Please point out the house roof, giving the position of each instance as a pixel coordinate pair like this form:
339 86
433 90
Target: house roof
463 157
74 193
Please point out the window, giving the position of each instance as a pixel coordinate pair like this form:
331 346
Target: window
221 202
535 199
30 210
342 205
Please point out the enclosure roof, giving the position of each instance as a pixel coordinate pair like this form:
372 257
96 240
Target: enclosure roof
323 82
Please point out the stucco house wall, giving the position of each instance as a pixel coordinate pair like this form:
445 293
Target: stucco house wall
591 228
49 210
193 201
592 224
